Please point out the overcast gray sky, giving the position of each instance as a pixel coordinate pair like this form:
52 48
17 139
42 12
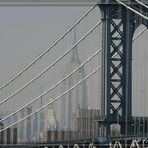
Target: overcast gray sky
25 32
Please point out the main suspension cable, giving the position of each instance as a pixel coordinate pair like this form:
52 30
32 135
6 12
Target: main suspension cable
53 64
141 3
74 71
139 34
52 101
69 74
40 56
133 10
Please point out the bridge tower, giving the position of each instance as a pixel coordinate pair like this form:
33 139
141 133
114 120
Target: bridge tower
118 27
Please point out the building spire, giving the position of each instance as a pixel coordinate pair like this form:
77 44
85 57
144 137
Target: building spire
75 58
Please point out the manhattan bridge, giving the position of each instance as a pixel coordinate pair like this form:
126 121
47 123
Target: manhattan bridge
88 89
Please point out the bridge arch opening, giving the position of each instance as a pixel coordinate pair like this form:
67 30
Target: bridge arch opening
140 81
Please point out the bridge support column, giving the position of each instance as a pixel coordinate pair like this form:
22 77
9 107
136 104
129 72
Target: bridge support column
117 34
119 25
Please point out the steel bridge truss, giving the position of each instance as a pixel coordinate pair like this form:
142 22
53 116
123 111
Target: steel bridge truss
119 25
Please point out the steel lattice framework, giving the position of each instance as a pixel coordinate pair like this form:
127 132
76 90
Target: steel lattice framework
119 25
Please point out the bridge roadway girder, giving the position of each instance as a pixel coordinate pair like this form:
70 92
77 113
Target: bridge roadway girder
118 27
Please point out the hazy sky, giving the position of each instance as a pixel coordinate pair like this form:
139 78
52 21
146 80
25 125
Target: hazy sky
26 32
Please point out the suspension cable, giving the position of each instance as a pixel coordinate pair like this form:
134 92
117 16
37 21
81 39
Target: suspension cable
45 53
60 95
53 64
41 55
135 37
133 10
37 98
52 101
64 79
141 3
139 34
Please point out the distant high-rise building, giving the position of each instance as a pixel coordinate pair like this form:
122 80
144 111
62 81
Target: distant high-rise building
35 126
77 98
51 118
10 135
38 122
28 126
22 130
87 124
41 118
16 126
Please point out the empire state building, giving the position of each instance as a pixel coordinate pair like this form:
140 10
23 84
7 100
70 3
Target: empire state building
76 98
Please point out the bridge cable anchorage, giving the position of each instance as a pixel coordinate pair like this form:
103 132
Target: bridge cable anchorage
53 64
141 3
52 101
47 50
139 34
37 98
133 10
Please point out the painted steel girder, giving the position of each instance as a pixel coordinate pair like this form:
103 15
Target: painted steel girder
114 74
119 25
116 70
